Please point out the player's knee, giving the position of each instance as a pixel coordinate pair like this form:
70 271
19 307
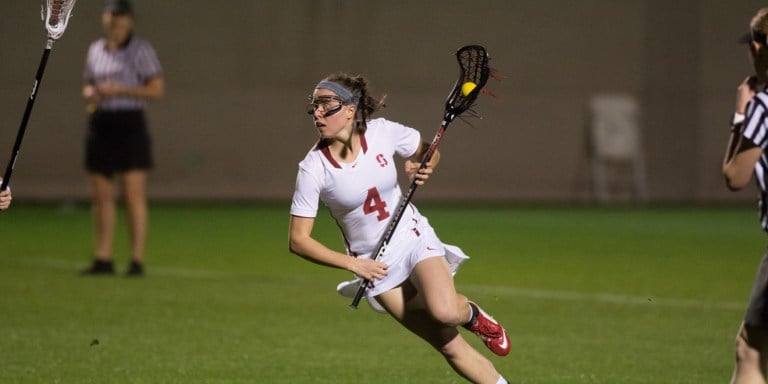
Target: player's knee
447 315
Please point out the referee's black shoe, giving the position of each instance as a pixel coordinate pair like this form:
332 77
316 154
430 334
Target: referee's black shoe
135 269
99 267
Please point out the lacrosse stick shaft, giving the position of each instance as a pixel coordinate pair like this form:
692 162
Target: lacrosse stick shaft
27 113
473 66
381 248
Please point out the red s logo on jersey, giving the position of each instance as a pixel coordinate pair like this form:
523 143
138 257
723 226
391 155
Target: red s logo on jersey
382 160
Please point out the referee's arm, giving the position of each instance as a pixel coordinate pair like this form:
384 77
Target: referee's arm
739 162
741 154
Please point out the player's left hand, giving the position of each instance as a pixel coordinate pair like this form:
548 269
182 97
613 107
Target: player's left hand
414 173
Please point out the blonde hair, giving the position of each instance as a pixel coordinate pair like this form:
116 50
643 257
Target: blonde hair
759 22
759 29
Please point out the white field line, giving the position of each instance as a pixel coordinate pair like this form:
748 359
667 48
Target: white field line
610 298
74 267
498 290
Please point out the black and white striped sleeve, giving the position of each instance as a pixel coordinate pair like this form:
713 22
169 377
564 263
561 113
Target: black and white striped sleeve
755 129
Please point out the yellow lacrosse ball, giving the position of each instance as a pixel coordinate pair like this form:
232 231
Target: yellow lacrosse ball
467 88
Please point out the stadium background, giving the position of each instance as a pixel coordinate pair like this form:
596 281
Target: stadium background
232 125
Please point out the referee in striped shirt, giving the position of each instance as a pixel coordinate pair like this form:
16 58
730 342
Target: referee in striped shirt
121 73
744 156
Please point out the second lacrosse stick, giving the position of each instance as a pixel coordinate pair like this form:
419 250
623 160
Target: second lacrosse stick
56 14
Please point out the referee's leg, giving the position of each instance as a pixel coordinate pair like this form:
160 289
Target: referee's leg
134 185
103 206
751 355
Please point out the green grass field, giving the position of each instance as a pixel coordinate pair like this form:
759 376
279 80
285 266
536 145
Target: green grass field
589 295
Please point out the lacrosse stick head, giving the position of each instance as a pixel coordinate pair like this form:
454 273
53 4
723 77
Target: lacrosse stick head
473 74
56 14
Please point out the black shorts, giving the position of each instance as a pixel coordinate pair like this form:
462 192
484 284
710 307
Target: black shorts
757 311
117 141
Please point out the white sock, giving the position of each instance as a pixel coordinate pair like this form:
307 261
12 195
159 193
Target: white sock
472 314
502 381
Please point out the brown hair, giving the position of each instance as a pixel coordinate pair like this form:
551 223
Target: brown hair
367 105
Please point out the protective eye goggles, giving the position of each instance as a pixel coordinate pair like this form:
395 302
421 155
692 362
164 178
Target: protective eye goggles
328 105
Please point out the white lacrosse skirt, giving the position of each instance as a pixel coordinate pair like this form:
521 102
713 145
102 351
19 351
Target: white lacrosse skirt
419 242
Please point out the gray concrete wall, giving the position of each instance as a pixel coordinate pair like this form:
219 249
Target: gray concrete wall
232 124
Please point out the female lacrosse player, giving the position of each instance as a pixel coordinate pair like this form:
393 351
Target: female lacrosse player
5 198
745 155
352 171
122 72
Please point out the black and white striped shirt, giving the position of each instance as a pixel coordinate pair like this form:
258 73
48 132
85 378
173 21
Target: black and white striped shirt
755 129
131 65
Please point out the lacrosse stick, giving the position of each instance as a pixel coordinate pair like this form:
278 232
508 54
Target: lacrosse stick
473 74
55 14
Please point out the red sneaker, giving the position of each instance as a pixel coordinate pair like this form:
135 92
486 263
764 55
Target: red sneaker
490 331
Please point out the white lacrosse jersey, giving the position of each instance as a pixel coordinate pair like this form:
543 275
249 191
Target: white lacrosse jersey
364 194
